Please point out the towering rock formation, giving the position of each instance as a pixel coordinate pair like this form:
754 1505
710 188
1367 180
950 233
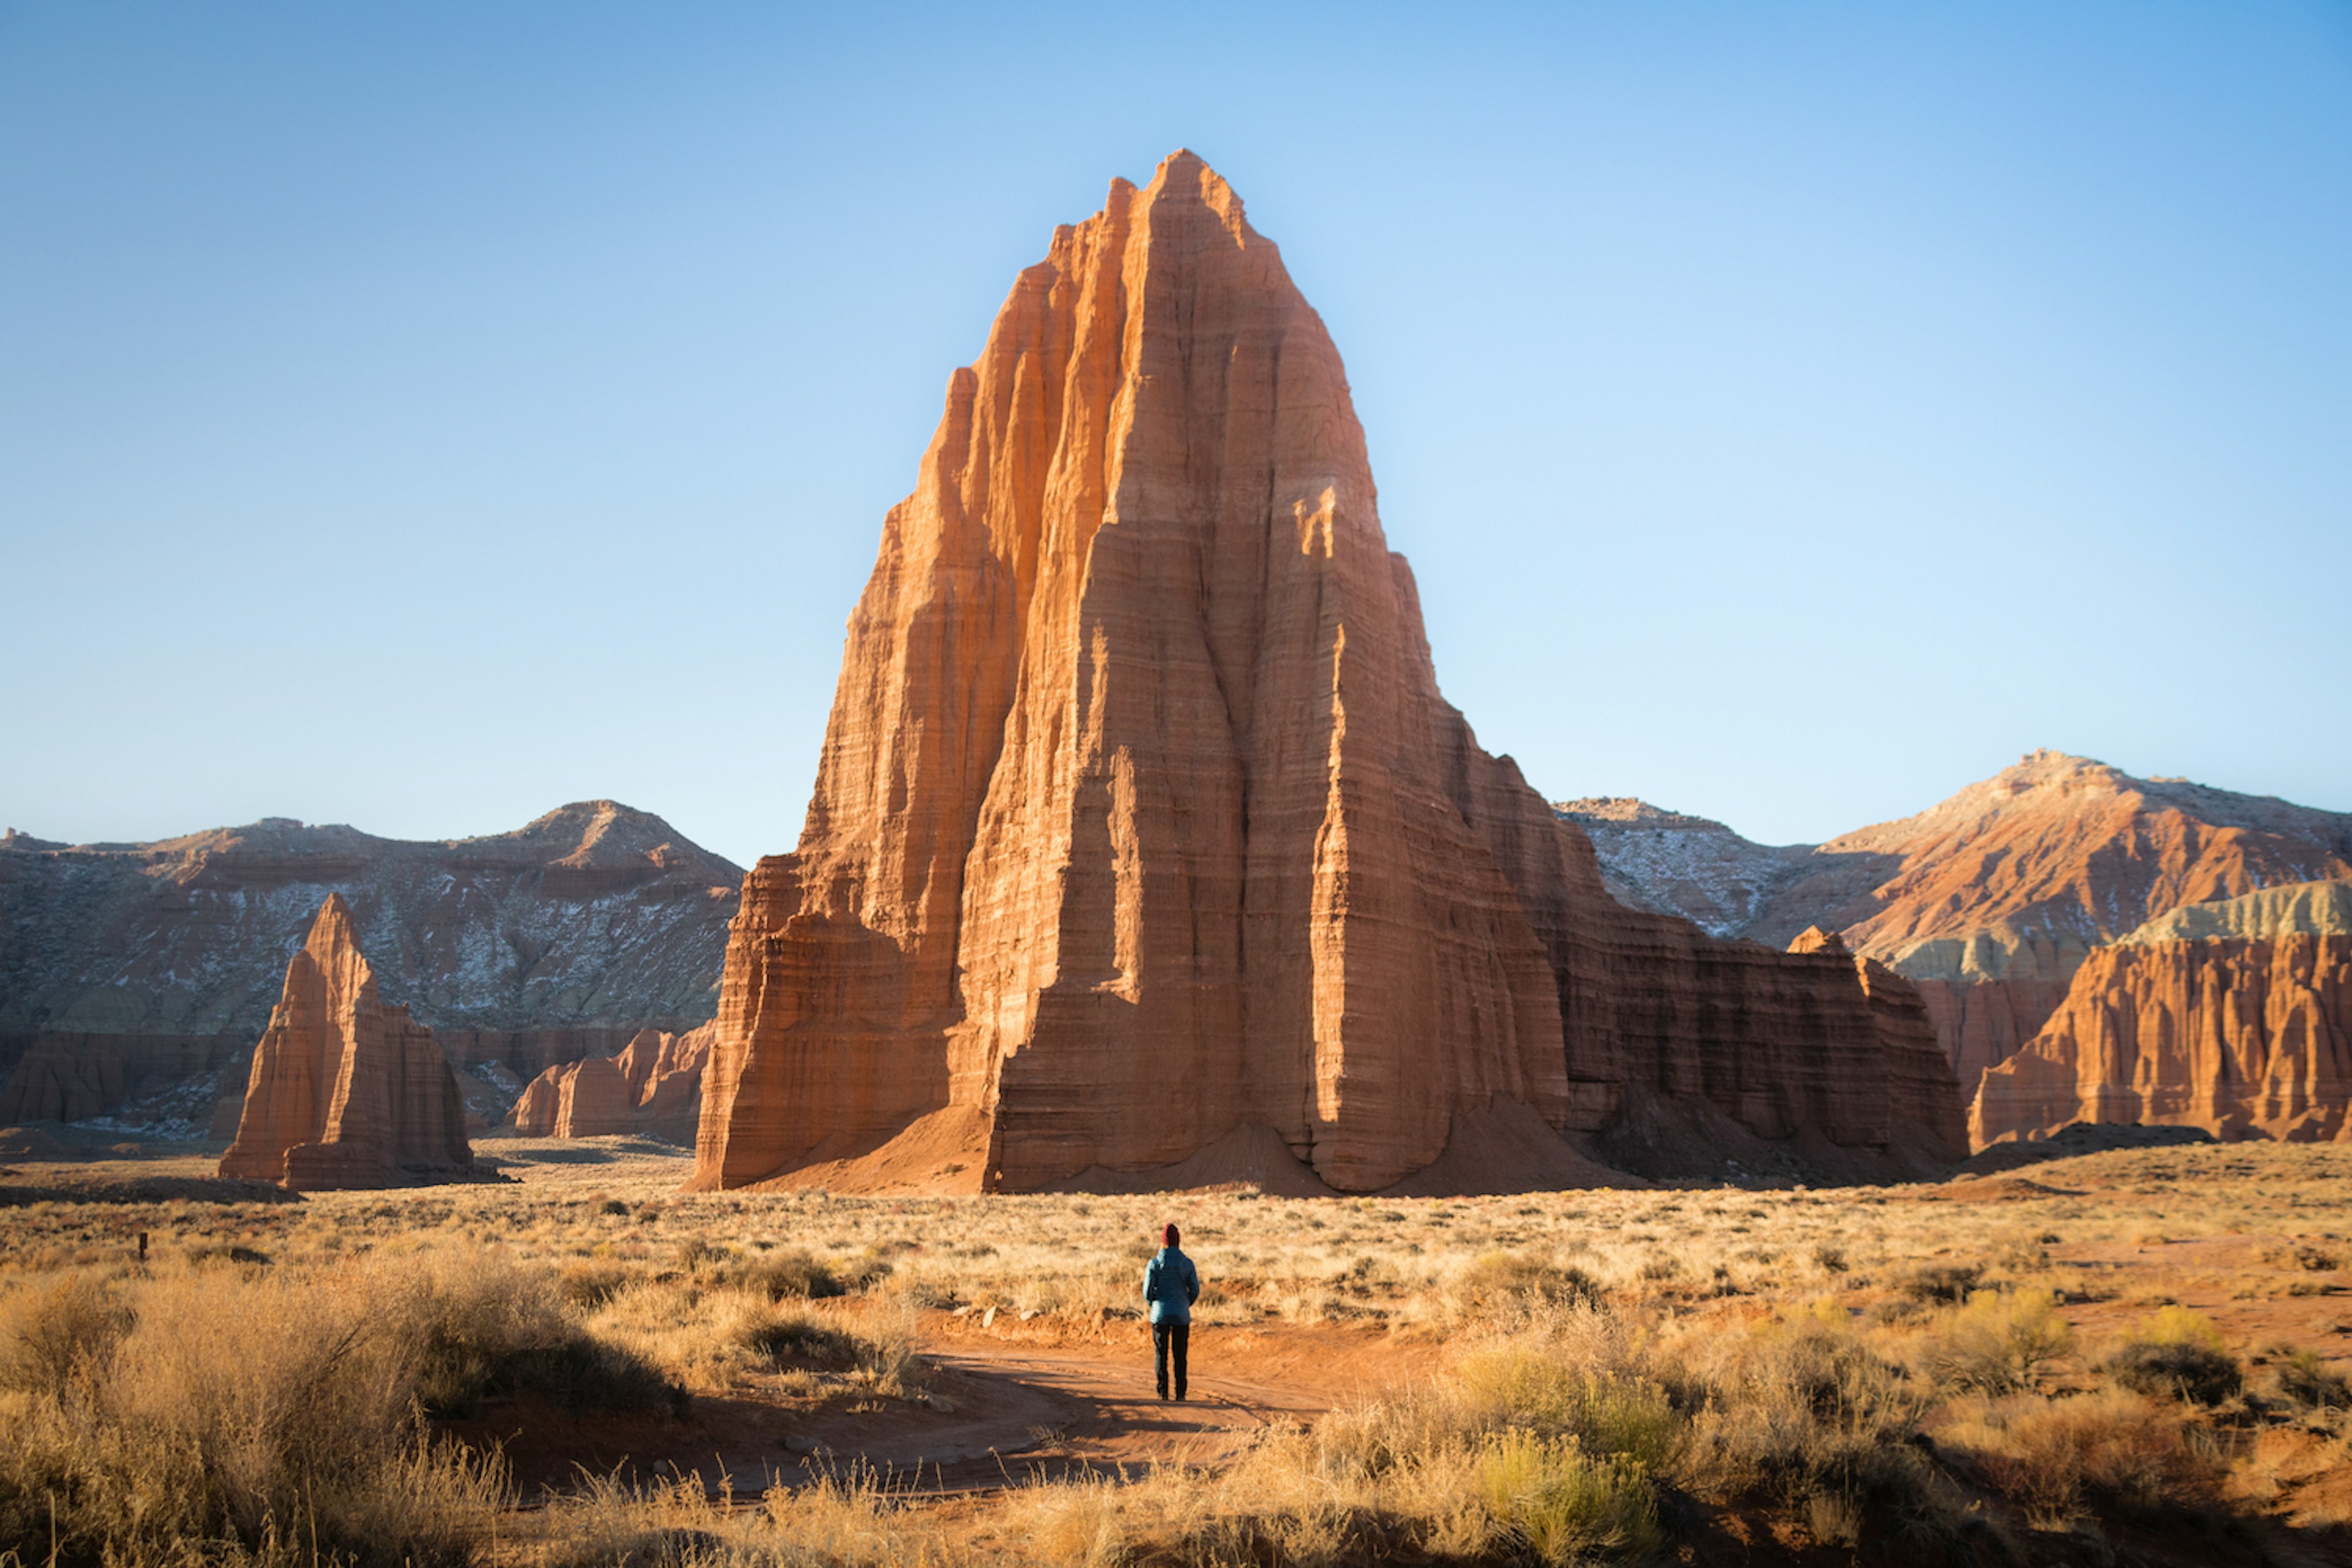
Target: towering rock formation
653 1086
134 977
345 1091
1140 824
1988 901
2242 1037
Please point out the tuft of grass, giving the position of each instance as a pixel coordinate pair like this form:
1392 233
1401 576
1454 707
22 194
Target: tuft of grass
59 1332
2108 1452
2177 1370
1507 1281
2305 1381
238 1418
2178 1353
2000 1343
885 1357
1950 1283
1563 1506
794 1273
798 1339
1808 1418
1609 1415
589 1285
494 1329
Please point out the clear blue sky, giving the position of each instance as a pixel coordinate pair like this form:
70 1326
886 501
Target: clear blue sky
421 415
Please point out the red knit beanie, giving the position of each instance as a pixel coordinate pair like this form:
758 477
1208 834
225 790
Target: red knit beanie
1168 1233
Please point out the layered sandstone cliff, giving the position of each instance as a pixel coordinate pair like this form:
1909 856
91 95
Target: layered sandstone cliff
345 1089
653 1086
1990 901
2242 1037
133 976
1141 823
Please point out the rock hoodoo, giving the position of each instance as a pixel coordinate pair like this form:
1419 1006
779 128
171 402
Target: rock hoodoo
2242 1037
653 1086
1141 829
345 1091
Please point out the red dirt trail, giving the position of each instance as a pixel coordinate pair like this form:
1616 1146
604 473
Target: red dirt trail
1003 1409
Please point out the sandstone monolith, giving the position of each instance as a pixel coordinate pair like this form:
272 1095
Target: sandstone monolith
1141 827
653 1086
346 1090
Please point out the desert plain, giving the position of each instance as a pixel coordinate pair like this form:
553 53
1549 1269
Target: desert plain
2139 1355
1572 1182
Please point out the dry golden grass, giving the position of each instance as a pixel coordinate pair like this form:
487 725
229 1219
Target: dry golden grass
1961 1369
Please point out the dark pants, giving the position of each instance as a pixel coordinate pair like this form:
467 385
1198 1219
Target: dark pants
1167 1337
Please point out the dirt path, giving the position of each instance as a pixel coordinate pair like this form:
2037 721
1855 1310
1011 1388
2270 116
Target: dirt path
1001 1411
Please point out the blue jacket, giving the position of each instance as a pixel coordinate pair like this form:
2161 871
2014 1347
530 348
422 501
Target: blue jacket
1171 1285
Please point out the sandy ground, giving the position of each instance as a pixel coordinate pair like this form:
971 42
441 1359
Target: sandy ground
2224 1233
1001 1411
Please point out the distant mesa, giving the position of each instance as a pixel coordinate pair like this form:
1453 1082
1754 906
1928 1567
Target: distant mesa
2096 949
1143 846
346 1090
1626 811
653 1087
134 978
1989 901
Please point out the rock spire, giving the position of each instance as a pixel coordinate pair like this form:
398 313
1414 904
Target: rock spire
1141 826
345 1091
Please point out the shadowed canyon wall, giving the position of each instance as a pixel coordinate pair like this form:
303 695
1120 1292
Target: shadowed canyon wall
652 1085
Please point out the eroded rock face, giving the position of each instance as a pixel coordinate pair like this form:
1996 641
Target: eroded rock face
653 1086
1988 900
345 1091
1140 819
75 1076
2240 1036
127 969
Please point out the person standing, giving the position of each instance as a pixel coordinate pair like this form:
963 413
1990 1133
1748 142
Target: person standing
1171 1284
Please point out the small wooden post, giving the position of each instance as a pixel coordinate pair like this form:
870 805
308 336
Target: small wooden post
143 1246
